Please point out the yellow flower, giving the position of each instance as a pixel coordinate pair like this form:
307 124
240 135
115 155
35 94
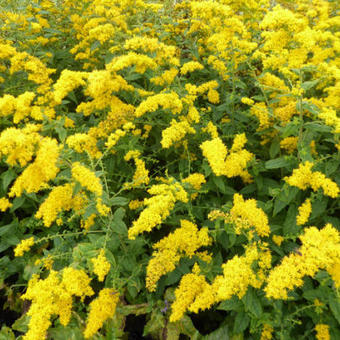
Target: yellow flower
52 296
175 132
267 332
246 100
289 144
19 144
44 168
304 212
320 250
141 175
24 245
67 82
4 204
87 178
158 207
322 332
184 241
278 239
101 309
215 152
245 215
101 266
190 67
59 199
304 177
190 286
195 180
76 282
169 101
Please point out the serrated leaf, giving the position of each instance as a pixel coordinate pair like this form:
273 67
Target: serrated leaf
7 178
241 322
274 148
277 163
252 303
6 334
118 200
307 85
17 203
21 324
334 304
220 333
232 304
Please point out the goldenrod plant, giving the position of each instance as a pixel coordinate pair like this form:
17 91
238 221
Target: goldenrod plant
172 162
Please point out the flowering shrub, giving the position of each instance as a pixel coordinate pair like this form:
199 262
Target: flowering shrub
174 161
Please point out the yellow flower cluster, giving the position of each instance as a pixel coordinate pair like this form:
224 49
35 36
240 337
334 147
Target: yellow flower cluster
230 164
87 178
304 177
190 286
267 332
184 241
190 67
59 199
82 142
166 78
19 145
24 245
140 61
322 332
141 175
101 309
169 101
289 144
44 168
238 275
238 272
67 82
195 180
320 250
246 100
4 204
53 296
304 212
175 132
245 215
100 265
158 207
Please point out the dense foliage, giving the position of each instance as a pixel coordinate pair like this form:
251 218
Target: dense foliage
175 163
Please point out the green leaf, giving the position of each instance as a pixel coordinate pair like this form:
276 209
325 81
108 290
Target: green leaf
6 334
274 148
155 325
62 133
290 227
331 167
241 322
118 200
252 303
307 85
319 207
118 224
61 333
21 324
232 304
219 182
334 304
277 163
286 196
220 333
7 178
95 45
17 203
